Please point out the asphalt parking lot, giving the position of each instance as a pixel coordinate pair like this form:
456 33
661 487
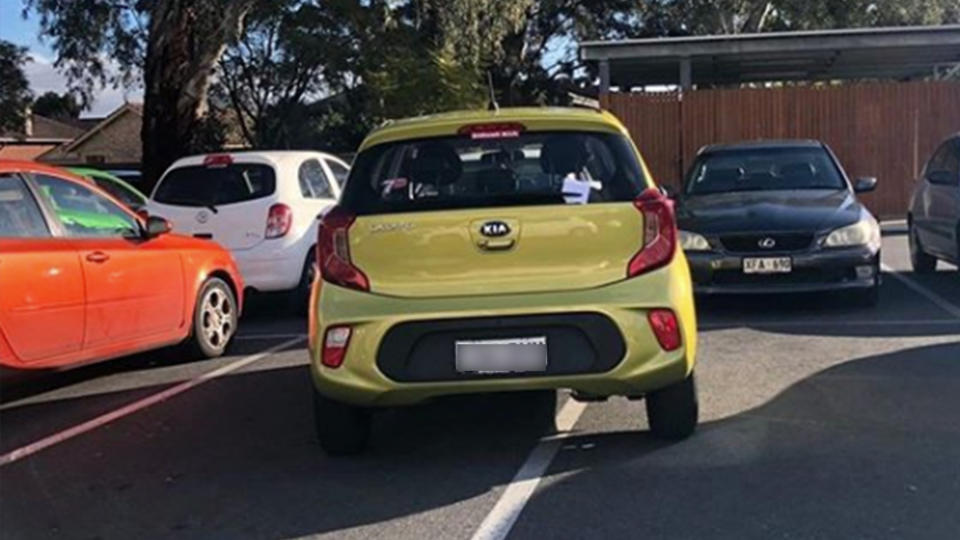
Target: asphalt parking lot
818 420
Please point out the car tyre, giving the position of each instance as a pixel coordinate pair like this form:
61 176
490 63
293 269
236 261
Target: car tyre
300 297
215 318
342 429
672 412
921 262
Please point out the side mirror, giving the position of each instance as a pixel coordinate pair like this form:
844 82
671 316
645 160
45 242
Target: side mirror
157 226
944 178
865 184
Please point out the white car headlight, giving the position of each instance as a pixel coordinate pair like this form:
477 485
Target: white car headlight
862 233
691 241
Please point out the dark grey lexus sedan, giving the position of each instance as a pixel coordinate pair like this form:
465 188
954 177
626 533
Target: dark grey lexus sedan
777 216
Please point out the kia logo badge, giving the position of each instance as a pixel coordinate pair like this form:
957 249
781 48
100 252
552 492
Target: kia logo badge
767 243
494 229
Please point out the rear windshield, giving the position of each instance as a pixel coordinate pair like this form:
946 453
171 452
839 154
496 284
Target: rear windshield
764 169
473 171
205 186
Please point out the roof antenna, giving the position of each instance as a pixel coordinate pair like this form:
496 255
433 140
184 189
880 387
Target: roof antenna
493 105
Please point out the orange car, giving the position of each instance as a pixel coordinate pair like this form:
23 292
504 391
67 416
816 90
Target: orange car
82 278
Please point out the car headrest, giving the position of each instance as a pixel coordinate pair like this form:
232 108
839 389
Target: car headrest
563 154
499 158
436 163
722 176
798 170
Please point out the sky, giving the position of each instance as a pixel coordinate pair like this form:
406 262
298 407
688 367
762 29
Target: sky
41 73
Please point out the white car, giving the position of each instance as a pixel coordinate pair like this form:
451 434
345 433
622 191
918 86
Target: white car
262 206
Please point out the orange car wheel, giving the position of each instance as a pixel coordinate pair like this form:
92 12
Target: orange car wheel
214 319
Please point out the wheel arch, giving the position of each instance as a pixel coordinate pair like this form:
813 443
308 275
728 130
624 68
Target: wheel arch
225 276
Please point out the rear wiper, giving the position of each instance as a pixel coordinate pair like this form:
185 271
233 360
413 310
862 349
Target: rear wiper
191 202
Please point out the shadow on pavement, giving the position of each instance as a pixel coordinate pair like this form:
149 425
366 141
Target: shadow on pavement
17 385
901 312
864 449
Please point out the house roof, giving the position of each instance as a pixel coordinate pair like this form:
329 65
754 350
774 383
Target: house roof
863 53
24 152
44 129
134 108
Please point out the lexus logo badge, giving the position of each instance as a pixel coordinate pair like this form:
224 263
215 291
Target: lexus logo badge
767 243
494 229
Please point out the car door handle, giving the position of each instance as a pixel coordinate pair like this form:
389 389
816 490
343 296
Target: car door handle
98 257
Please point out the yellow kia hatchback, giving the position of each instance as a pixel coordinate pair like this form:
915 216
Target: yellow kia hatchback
519 249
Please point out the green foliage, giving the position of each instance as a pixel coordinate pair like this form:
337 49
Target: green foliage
15 93
97 42
54 105
321 73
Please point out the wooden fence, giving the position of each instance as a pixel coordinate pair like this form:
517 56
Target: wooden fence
887 130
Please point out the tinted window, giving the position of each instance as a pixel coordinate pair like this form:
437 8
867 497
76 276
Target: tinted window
524 169
85 213
758 169
120 192
340 172
20 216
313 180
204 186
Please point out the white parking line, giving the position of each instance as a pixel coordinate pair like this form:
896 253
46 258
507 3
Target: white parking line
126 410
500 520
940 301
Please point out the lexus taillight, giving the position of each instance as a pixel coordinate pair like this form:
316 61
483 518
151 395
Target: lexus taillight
335 343
279 219
659 233
665 327
333 251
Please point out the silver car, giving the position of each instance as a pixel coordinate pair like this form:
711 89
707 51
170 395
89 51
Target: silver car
934 218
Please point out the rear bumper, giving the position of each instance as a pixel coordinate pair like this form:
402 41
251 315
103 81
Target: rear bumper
820 270
380 368
273 265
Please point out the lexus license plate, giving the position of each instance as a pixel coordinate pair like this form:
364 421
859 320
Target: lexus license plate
767 265
496 356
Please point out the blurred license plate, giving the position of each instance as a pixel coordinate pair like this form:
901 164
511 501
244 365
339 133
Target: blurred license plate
514 355
767 265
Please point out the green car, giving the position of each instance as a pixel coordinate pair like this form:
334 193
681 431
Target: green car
121 190
82 212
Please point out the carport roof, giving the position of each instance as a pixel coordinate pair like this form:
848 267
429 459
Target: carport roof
897 53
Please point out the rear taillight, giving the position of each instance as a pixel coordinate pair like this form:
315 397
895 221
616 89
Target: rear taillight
659 233
665 328
333 251
335 343
279 220
493 130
